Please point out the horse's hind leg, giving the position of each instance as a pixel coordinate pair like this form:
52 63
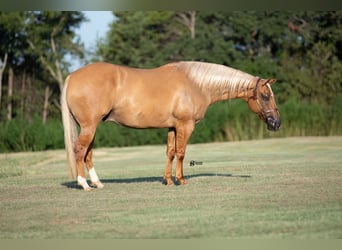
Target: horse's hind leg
83 143
95 181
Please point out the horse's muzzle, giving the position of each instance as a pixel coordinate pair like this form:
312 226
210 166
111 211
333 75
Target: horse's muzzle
273 124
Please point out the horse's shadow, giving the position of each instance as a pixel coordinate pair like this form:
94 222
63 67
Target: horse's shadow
74 185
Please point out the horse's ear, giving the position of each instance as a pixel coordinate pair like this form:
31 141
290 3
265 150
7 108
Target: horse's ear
271 81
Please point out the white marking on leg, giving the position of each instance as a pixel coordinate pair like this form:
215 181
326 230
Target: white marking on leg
93 175
95 179
83 182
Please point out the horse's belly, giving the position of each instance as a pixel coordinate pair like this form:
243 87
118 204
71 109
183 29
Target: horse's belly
141 119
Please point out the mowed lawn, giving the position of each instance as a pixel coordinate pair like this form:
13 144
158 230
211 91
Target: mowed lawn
275 188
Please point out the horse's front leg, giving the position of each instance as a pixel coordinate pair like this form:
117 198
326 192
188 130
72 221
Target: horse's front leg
170 155
183 133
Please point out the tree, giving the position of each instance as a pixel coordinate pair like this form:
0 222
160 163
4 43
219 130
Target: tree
33 46
188 19
311 60
51 36
11 47
300 48
3 63
138 38
152 38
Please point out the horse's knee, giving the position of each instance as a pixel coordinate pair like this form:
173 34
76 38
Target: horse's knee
170 153
180 154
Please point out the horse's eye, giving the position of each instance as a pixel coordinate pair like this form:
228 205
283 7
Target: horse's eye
265 98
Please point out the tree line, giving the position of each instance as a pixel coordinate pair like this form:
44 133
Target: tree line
33 65
299 48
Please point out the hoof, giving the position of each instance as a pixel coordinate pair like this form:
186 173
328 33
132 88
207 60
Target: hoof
81 181
181 181
168 182
97 184
87 189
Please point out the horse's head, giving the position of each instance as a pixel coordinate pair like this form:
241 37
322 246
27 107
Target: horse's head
261 101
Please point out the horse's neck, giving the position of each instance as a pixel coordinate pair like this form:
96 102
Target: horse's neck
228 90
218 82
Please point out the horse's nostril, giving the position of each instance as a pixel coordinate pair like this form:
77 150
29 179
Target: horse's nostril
273 124
278 123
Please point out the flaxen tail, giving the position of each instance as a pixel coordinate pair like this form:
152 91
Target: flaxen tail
70 132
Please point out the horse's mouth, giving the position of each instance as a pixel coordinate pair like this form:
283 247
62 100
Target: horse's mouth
273 124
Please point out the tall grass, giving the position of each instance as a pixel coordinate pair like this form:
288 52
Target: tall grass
224 121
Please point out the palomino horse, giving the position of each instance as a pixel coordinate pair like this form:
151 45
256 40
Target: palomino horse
174 96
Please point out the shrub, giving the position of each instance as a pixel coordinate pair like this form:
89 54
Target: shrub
224 121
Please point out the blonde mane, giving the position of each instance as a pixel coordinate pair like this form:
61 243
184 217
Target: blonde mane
216 77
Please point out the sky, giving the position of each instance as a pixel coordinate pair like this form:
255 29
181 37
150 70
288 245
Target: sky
91 31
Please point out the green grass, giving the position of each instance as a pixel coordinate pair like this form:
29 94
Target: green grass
276 188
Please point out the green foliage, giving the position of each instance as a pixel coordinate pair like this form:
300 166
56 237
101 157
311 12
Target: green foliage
224 121
36 44
12 36
232 120
20 135
136 38
42 26
112 135
299 48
